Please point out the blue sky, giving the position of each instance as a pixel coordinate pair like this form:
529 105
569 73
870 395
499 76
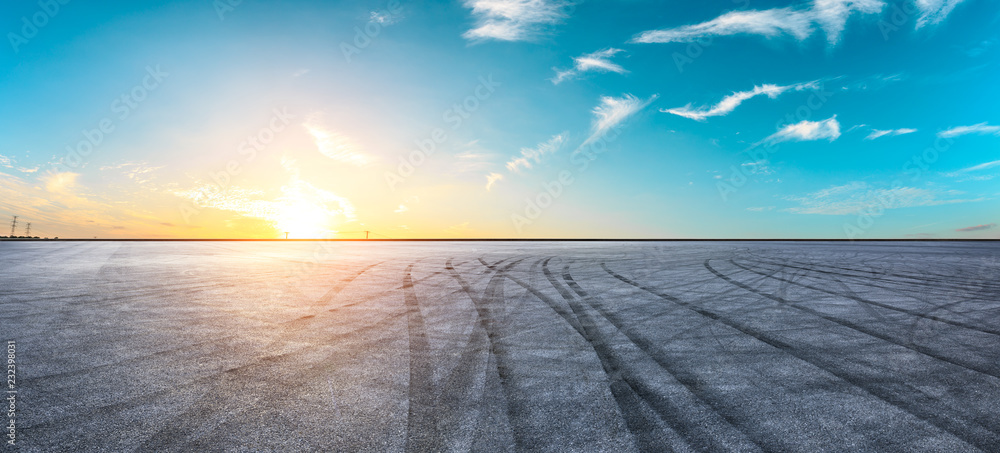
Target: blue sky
489 118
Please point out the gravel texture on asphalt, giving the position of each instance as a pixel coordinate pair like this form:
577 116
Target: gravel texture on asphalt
504 346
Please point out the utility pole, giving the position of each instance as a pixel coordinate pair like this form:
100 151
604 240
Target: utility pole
366 234
27 230
12 226
286 235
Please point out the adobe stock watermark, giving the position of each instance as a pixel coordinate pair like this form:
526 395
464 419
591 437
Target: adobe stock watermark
11 391
695 49
364 36
900 13
223 7
454 116
759 152
221 180
553 189
123 106
881 200
31 26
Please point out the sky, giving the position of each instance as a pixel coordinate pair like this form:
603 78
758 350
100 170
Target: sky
843 119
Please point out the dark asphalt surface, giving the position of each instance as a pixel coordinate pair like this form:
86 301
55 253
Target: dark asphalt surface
458 346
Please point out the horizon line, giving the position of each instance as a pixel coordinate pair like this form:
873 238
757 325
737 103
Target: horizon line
504 240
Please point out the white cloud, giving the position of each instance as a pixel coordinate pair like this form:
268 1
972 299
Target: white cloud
799 23
981 128
491 179
985 166
335 145
876 133
857 198
832 15
612 112
828 129
729 103
965 176
401 209
599 61
512 20
932 12
534 155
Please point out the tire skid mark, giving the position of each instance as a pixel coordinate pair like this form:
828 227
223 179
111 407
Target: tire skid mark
243 377
946 281
216 384
638 422
422 417
492 300
336 289
629 389
490 341
907 399
688 428
862 300
458 387
630 404
858 327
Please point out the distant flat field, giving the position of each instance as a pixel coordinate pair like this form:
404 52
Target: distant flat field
497 346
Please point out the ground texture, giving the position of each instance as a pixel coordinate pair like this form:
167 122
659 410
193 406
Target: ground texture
449 346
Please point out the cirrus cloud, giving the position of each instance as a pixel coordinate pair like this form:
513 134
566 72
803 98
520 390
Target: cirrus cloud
730 102
798 23
513 20
828 129
599 61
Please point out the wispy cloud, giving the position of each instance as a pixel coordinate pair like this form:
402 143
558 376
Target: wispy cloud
798 23
985 166
335 145
599 61
730 102
876 133
10 162
965 176
383 17
933 12
530 156
513 20
491 179
988 226
858 197
981 129
828 129
612 112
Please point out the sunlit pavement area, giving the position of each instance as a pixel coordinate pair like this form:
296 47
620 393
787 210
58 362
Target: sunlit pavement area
496 346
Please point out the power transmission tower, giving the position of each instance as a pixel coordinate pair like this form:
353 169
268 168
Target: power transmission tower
366 234
13 225
27 230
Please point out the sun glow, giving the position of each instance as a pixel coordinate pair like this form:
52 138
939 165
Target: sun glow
298 208
304 219
307 212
